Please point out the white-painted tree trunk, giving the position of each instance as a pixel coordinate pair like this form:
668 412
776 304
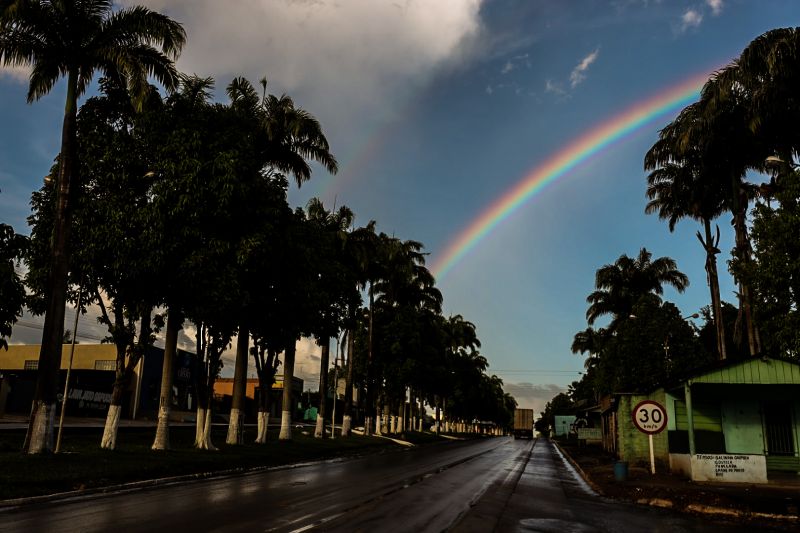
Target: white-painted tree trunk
367 425
286 426
401 425
378 424
42 430
346 426
203 430
263 425
109 441
392 424
235 427
320 428
162 429
421 425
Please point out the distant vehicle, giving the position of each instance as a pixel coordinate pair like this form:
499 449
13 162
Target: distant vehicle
523 423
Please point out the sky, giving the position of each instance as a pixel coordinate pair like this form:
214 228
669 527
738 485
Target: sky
436 111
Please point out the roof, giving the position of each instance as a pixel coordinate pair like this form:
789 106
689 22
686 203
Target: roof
752 371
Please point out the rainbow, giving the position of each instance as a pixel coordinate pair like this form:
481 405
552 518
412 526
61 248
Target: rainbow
562 162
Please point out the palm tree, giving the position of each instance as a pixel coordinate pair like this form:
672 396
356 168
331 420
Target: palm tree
714 133
74 39
620 286
358 252
289 138
677 190
336 290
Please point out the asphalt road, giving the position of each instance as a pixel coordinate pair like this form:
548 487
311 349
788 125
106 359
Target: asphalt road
493 484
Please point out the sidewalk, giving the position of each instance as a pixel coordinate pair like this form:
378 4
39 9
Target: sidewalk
778 500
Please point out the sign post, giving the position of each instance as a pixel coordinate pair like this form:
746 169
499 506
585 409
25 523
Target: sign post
650 418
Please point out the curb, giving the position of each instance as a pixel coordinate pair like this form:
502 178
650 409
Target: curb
578 468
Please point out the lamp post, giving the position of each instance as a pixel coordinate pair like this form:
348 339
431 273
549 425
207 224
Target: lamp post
69 370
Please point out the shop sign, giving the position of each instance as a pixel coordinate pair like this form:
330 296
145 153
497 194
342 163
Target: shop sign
729 468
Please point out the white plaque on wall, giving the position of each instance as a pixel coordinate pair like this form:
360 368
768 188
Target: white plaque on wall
729 468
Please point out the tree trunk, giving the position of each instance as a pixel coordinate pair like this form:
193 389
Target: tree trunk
324 360
743 254
438 419
174 325
39 437
203 429
263 426
710 246
109 441
348 386
236 423
123 342
287 407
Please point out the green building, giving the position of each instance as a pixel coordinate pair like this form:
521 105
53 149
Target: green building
737 421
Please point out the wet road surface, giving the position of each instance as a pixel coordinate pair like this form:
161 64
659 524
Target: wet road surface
493 484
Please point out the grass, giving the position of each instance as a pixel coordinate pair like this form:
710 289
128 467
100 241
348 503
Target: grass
83 465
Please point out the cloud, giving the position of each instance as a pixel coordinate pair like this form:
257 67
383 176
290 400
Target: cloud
691 19
508 67
15 73
578 74
339 60
530 396
551 86
716 6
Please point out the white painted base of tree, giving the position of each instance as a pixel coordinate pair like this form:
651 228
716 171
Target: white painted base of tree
421 425
286 426
319 428
203 430
235 427
367 426
42 429
263 424
401 424
109 441
162 429
346 426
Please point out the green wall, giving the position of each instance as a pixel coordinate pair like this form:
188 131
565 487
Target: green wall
632 444
742 426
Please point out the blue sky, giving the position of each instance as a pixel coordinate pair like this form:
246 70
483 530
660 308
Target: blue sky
435 109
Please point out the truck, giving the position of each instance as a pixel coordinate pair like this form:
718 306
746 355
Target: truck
523 423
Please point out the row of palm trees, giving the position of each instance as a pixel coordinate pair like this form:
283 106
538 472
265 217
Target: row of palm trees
178 206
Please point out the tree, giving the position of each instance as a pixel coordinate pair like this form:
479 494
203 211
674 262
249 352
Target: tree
288 138
12 291
774 272
75 39
621 285
335 287
678 189
113 262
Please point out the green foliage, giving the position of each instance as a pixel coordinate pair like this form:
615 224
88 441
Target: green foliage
12 291
774 272
621 285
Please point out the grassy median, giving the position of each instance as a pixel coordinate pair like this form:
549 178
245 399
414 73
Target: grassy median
83 465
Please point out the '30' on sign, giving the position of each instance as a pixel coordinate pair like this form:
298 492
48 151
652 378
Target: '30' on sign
649 417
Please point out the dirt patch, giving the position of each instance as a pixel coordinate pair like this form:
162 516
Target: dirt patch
664 489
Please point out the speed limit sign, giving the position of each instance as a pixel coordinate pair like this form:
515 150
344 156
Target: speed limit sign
649 417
